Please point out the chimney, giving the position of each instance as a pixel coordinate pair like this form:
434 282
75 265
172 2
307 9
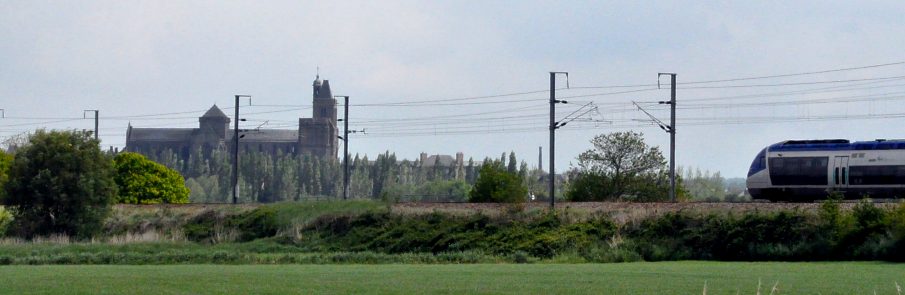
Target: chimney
460 159
540 158
423 158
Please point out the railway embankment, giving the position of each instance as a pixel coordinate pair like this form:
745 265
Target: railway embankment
362 231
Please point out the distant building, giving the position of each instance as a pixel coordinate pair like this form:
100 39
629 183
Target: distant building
442 160
316 135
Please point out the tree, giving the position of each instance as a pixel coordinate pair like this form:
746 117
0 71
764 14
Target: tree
585 186
496 184
703 185
142 181
622 165
60 183
6 160
512 163
445 190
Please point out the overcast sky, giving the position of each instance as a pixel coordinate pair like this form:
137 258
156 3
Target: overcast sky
171 60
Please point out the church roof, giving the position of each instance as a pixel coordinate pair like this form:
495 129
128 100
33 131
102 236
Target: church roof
214 112
185 135
268 135
161 134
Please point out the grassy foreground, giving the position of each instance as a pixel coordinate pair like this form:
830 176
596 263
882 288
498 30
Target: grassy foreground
684 277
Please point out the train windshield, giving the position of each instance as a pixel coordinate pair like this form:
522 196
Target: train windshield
760 162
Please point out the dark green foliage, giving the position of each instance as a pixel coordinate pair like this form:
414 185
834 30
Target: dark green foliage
6 218
217 226
142 181
364 232
6 160
496 184
782 235
209 226
866 232
585 186
540 236
258 223
873 233
620 166
61 183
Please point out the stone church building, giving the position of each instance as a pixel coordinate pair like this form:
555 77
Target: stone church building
316 135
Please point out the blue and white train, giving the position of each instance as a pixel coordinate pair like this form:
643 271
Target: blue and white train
805 170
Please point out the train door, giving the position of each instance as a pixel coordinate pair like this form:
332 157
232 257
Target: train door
840 173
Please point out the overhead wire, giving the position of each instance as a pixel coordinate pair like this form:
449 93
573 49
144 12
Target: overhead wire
518 115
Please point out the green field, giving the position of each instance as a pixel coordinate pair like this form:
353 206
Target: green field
686 277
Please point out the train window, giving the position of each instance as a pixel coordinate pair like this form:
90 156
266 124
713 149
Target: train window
759 163
798 170
872 175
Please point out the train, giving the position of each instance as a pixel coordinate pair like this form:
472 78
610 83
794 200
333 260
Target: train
808 170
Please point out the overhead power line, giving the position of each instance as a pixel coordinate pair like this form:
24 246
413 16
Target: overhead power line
796 74
793 84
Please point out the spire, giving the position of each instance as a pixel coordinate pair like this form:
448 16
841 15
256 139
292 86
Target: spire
325 90
317 79
214 112
321 88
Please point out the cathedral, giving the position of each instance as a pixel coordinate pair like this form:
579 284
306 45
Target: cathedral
317 136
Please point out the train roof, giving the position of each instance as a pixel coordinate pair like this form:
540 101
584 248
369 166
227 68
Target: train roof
837 145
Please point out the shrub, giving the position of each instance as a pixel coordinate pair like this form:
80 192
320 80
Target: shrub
896 221
210 226
5 219
258 223
586 186
142 181
496 184
6 160
60 183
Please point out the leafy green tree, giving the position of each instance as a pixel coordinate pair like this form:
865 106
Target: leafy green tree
197 193
6 160
620 165
585 186
523 172
513 163
470 171
60 183
496 184
142 181
703 185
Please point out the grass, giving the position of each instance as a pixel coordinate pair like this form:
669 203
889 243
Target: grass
299 214
261 251
685 277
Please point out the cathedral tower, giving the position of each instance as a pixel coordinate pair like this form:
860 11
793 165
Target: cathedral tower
324 103
318 134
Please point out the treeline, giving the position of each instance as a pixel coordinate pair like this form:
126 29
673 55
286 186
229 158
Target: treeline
266 178
620 166
711 186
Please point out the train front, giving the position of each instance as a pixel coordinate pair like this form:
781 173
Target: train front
758 176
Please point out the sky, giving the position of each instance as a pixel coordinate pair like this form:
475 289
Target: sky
467 76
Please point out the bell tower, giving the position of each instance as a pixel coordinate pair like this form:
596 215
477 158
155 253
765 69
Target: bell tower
324 103
318 134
